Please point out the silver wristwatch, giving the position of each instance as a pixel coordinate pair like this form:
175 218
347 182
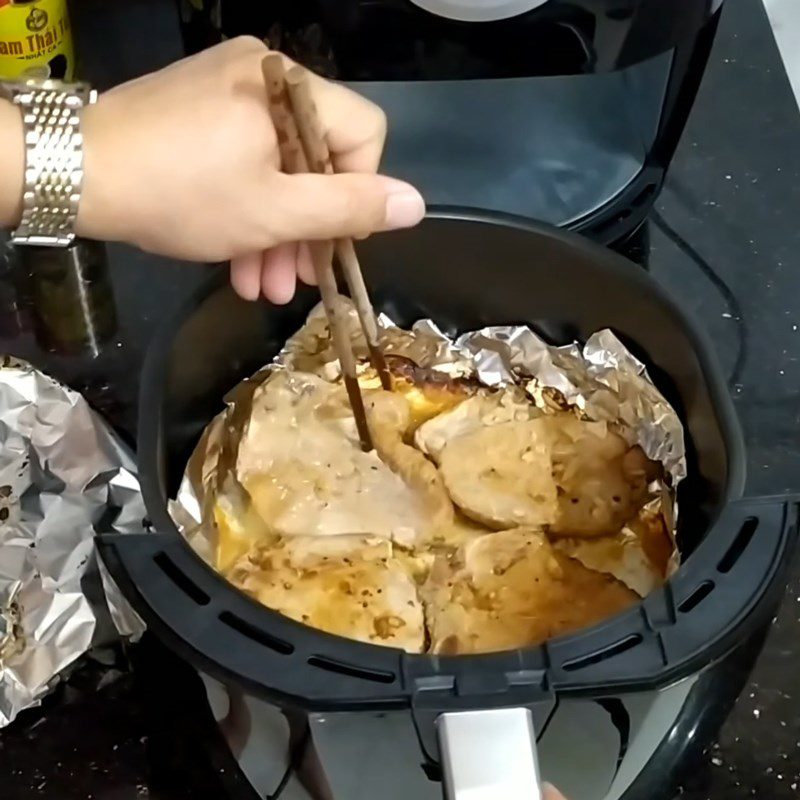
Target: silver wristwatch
51 116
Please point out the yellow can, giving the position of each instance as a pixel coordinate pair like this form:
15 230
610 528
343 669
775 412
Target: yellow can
35 40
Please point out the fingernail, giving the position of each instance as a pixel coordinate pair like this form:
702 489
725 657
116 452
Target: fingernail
404 206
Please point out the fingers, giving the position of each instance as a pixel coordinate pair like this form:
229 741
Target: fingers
305 266
273 273
316 207
355 127
551 793
353 203
319 207
279 273
246 275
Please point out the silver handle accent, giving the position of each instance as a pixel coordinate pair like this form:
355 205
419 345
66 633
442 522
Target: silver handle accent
489 755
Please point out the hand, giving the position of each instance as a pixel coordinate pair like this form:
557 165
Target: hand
185 163
551 793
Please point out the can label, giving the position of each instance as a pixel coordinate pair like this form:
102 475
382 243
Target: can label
35 40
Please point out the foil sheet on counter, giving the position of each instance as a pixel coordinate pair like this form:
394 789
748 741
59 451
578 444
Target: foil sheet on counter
600 380
64 476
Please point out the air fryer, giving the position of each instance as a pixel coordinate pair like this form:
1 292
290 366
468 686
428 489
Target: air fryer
567 112
373 714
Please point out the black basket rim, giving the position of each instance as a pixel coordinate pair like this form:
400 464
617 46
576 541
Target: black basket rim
410 669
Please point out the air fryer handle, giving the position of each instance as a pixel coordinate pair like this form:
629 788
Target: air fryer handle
489 755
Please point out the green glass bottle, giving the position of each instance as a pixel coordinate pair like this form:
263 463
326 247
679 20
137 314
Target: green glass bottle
71 296
68 290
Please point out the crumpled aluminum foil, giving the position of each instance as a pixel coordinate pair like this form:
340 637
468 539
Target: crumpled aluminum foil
64 476
601 379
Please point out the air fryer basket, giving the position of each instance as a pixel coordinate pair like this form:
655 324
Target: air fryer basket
464 273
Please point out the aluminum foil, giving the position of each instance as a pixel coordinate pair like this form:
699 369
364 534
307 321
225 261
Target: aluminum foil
64 476
600 380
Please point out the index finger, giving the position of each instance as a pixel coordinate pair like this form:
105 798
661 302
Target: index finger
355 126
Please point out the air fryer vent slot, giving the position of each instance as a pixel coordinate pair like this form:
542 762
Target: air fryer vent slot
740 543
341 668
696 597
601 655
181 579
256 634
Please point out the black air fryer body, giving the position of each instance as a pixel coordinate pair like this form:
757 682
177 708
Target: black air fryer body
567 112
606 701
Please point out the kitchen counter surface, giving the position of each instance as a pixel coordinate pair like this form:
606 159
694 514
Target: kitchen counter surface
725 241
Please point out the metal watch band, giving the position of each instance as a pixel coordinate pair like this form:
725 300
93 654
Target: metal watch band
53 159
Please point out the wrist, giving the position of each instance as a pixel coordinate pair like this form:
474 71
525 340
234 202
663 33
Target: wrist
98 217
12 164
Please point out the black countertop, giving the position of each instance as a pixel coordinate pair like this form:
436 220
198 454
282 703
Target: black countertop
725 241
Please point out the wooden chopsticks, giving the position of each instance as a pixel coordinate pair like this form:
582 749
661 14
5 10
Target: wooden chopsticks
303 148
319 158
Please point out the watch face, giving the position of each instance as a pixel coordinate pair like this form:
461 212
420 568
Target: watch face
478 10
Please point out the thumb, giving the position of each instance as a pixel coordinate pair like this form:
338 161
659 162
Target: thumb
308 206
